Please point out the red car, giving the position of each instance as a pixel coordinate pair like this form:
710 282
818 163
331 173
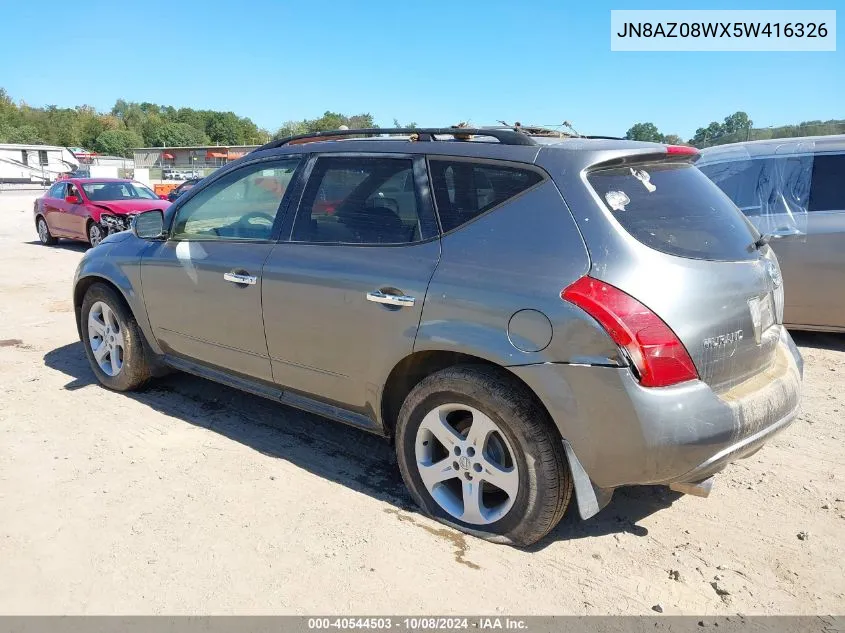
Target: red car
89 209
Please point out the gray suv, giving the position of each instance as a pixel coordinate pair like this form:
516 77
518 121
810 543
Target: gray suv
524 317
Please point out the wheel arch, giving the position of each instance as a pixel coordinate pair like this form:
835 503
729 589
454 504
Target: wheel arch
81 289
415 367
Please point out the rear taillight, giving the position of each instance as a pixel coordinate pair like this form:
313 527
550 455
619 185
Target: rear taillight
658 355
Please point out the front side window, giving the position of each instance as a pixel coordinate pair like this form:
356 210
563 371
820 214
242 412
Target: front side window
463 190
242 205
359 200
57 191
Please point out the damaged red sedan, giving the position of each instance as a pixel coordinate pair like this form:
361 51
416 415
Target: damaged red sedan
89 209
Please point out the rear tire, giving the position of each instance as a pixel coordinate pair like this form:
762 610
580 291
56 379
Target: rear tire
44 235
113 341
493 462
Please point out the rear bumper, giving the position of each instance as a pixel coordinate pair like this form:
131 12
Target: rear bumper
624 434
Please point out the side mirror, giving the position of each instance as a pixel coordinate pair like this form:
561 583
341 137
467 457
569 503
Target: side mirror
72 199
149 225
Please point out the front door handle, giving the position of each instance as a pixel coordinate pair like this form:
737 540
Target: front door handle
240 278
392 300
785 231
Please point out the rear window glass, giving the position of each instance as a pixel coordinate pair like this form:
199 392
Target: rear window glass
827 192
675 209
464 190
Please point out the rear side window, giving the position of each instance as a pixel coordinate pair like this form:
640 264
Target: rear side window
827 192
463 190
675 209
359 200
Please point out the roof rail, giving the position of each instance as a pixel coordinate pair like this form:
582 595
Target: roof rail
505 137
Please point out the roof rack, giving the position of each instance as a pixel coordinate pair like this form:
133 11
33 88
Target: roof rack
505 137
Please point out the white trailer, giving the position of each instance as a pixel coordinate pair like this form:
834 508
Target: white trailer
34 164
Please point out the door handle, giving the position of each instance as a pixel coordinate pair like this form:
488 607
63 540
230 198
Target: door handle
392 300
785 231
238 278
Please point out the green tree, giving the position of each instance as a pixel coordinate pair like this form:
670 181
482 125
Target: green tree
291 128
23 134
117 142
672 139
177 135
224 128
707 135
644 132
737 122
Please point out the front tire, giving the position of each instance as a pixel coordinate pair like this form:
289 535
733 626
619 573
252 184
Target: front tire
44 235
113 341
95 234
478 452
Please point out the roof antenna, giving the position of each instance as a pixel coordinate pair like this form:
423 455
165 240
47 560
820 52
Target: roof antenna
569 125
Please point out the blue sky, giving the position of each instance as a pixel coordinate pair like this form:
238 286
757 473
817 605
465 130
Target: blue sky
433 62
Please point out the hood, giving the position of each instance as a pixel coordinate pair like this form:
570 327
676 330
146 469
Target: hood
127 207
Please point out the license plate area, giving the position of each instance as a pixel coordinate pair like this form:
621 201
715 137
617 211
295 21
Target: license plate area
762 314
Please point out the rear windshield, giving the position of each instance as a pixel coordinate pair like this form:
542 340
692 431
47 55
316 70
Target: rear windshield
675 209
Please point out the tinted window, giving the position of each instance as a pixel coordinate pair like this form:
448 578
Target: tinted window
674 208
464 190
240 206
42 157
359 200
827 192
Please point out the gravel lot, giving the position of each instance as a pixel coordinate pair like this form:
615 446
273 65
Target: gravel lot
194 498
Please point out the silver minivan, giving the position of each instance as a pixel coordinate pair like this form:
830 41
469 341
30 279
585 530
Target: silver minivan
522 317
793 191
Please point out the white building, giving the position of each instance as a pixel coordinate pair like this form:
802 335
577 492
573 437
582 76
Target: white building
34 164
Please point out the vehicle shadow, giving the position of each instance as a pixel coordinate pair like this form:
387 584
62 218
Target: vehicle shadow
65 244
339 453
819 340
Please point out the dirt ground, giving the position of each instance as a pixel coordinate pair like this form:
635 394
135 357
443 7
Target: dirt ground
194 498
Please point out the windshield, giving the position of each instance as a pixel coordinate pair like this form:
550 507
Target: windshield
105 191
674 208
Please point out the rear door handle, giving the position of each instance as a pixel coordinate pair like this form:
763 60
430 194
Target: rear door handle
239 278
392 300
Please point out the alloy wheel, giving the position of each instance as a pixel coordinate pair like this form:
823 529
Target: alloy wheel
95 234
467 464
105 335
43 231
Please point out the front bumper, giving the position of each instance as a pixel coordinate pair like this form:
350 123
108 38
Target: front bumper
625 434
116 223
